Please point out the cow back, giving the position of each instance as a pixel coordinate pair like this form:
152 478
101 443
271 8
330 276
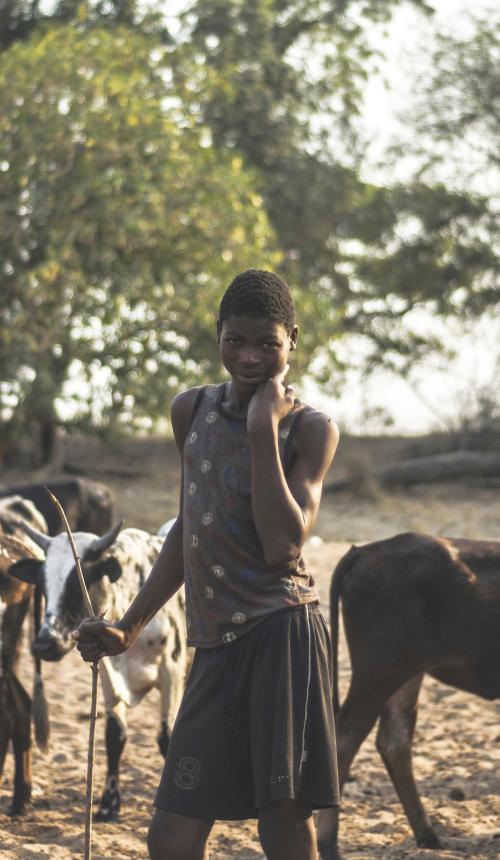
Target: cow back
87 505
135 551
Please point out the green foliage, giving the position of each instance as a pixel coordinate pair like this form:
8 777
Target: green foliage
139 174
456 114
361 257
119 228
245 73
442 251
439 254
19 19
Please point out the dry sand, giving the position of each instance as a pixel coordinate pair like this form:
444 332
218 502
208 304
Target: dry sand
457 744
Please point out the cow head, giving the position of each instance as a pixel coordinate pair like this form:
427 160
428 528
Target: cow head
57 576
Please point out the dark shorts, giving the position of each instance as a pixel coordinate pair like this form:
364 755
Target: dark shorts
256 723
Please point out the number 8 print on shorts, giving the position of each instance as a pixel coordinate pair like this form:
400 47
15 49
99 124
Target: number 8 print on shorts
187 776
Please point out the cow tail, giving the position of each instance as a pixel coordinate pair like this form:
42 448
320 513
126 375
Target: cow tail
335 592
40 706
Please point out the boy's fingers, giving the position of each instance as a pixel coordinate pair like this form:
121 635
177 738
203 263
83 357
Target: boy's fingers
91 650
88 630
279 377
90 657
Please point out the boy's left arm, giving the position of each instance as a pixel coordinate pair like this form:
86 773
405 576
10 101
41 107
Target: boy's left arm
285 508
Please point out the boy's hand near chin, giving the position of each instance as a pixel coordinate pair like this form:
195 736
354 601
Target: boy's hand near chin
271 402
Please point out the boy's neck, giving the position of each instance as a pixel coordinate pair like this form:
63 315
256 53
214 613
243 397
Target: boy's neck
236 401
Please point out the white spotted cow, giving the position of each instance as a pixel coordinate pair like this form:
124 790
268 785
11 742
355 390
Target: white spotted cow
115 567
165 528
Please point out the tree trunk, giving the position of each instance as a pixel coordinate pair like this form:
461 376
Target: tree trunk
32 435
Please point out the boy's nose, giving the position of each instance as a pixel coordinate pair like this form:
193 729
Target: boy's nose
249 358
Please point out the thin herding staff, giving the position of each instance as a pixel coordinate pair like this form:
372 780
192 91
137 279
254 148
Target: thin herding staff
87 846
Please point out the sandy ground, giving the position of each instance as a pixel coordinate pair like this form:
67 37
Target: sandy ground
457 740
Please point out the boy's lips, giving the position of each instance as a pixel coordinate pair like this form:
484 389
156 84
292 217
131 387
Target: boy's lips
250 378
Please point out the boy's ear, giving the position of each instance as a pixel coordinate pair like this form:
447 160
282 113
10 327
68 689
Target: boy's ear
293 337
218 331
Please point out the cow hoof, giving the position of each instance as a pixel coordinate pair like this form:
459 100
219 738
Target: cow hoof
109 805
107 815
17 810
428 839
163 740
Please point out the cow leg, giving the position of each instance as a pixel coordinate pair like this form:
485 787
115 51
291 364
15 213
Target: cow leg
116 736
5 715
163 738
20 704
394 740
15 724
354 721
5 719
5 722
171 679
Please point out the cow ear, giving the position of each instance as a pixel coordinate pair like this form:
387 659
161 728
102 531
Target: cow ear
109 567
27 570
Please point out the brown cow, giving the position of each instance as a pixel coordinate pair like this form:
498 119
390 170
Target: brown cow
15 598
412 604
89 506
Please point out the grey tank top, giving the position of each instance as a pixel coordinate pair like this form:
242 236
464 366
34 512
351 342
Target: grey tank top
229 586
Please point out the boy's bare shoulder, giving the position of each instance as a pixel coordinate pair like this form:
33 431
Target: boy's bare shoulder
181 410
186 399
317 433
315 421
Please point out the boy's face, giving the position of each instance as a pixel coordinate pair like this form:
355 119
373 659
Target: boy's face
253 349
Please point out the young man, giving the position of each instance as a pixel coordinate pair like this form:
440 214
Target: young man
255 735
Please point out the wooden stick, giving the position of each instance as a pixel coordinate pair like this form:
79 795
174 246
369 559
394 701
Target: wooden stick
83 585
87 847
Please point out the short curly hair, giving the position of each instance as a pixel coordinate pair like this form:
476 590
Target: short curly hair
258 293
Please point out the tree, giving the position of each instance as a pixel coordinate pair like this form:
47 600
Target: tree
119 229
361 257
234 120
246 74
19 19
441 252
454 120
438 256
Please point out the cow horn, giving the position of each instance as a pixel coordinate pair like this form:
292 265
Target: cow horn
43 541
102 543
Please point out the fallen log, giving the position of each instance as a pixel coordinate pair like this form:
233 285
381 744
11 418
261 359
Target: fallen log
438 467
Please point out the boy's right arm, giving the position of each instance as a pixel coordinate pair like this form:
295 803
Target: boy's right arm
97 638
